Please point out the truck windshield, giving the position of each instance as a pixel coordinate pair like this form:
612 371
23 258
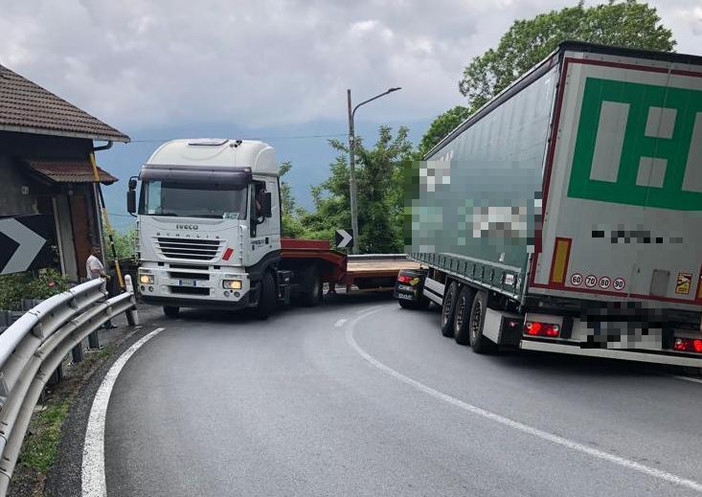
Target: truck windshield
164 198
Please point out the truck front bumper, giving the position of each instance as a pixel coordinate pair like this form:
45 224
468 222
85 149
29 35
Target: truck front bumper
180 287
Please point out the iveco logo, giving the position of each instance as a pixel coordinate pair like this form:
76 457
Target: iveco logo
187 227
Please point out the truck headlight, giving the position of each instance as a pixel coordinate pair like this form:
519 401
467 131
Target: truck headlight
231 284
146 279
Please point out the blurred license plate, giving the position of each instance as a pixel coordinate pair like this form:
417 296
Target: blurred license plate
403 296
406 288
187 282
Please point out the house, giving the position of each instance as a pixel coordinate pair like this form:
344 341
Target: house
46 175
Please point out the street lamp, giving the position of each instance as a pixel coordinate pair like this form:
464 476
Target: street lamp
352 164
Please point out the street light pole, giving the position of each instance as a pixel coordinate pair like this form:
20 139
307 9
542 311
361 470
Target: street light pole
352 164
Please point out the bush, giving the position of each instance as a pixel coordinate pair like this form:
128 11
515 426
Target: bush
125 245
30 285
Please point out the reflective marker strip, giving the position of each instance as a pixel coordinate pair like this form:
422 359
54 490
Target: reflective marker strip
227 254
559 265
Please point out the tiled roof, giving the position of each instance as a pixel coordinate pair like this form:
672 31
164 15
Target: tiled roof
74 171
26 107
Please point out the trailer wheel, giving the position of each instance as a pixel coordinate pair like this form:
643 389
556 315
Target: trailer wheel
448 310
171 311
267 297
479 342
461 320
314 291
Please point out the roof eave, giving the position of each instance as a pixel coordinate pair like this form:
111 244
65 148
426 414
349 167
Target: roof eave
68 134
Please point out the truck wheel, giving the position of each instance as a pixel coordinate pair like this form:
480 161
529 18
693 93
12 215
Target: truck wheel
267 297
170 311
464 304
314 291
480 343
448 310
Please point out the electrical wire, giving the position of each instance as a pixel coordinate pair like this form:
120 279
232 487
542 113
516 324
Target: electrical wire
283 137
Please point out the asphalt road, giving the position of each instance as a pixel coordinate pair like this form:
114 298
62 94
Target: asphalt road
361 398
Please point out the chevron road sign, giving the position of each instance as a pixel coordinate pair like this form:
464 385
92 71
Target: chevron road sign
343 238
23 243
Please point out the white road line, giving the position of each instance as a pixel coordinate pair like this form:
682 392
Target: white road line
687 378
340 323
93 475
516 425
369 309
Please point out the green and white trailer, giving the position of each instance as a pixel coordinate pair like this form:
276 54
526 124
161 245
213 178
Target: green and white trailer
566 214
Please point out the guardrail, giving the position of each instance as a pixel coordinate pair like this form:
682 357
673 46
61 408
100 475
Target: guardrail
34 346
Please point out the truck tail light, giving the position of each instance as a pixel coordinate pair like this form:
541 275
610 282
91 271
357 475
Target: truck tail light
403 278
688 345
534 328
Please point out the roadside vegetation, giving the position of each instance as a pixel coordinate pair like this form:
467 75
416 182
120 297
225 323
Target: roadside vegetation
41 443
42 284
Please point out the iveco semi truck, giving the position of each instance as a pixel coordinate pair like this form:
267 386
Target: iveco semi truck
209 235
566 214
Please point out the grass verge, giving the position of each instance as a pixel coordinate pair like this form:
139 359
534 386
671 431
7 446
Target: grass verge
41 442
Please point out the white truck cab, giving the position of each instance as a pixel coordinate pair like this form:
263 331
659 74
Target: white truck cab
209 225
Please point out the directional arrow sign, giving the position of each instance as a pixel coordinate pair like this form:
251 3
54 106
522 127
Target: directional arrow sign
29 244
344 238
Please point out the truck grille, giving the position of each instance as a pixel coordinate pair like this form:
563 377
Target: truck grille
188 248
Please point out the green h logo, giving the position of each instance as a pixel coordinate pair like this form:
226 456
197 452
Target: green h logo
639 145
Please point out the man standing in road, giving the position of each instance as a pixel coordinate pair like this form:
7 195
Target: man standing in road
94 269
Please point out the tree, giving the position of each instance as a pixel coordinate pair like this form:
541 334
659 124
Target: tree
379 173
291 213
125 244
442 126
624 23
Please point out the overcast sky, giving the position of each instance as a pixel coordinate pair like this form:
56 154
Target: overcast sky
271 69
141 64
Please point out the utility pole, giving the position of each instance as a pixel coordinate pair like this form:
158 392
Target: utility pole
352 164
352 176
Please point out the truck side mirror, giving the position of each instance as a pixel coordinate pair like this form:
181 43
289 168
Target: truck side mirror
132 183
266 204
131 201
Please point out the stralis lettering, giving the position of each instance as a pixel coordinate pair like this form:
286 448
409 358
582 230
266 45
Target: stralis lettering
187 226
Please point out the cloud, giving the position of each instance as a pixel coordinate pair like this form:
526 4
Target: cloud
142 63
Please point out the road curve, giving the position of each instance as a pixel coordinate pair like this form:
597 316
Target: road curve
360 397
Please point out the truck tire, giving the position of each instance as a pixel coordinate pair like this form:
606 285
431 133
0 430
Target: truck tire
171 311
448 309
267 297
314 291
479 342
461 319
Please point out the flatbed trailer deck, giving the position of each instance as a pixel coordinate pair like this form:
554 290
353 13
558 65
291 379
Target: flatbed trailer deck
367 271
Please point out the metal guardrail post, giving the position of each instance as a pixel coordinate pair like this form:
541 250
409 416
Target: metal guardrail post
132 315
94 340
77 353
